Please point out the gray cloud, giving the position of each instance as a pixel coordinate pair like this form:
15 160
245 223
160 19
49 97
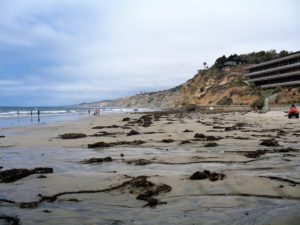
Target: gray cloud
93 50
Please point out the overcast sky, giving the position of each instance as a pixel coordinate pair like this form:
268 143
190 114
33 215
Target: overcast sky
60 52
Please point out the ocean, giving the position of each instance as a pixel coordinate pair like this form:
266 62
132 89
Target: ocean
27 116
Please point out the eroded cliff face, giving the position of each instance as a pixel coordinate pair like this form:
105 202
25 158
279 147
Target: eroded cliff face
207 87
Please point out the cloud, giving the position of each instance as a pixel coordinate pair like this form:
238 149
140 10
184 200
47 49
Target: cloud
68 51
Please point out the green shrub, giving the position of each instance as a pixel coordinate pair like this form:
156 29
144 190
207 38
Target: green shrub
225 101
258 103
276 90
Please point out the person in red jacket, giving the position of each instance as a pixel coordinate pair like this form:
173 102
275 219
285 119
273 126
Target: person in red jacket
293 111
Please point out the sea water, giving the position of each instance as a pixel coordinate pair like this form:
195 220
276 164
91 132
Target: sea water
26 116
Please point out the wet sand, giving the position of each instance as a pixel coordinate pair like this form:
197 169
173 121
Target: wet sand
152 158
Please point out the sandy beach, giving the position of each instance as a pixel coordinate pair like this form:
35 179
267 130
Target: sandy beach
154 168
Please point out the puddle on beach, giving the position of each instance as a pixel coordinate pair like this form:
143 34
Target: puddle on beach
121 208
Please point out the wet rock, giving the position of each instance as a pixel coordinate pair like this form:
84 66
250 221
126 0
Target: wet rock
126 119
269 142
139 162
100 144
212 176
97 160
9 220
28 205
12 175
255 154
198 135
185 142
211 144
187 130
167 140
72 135
133 132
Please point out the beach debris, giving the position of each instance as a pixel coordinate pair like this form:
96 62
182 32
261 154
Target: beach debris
211 144
2 136
41 176
269 142
102 144
199 135
133 132
72 135
28 205
12 175
212 176
144 121
97 160
140 162
255 154
102 127
213 138
167 140
126 119
9 220
136 185
185 142
103 134
122 154
187 131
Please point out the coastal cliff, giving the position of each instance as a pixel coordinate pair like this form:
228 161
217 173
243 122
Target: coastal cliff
208 87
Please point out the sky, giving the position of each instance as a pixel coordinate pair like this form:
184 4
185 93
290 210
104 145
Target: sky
63 52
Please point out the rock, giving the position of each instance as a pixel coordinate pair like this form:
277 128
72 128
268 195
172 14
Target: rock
97 160
100 144
9 220
255 154
139 162
72 135
185 142
211 144
198 135
12 175
167 140
187 130
269 142
133 132
126 119
213 138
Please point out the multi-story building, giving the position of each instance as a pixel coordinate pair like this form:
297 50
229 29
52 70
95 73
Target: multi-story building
283 71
